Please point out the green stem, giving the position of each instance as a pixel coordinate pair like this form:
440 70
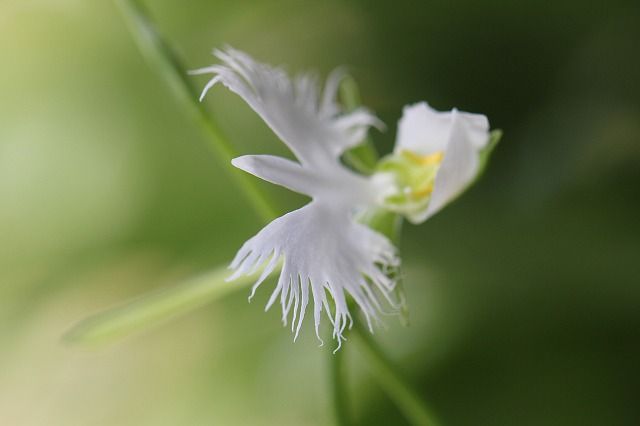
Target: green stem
338 388
164 59
362 158
157 307
392 381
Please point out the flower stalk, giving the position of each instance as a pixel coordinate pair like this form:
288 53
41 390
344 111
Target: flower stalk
410 403
338 387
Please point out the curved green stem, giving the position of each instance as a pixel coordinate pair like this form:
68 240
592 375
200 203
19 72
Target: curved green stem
392 381
163 58
156 307
339 396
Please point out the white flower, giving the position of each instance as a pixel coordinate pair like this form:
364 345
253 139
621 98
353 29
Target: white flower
436 156
322 246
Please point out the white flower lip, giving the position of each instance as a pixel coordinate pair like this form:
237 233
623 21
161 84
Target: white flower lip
458 135
322 247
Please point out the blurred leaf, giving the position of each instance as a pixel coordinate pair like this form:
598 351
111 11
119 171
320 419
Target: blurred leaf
156 307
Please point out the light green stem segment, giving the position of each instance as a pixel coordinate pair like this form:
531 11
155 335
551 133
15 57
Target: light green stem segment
156 308
362 158
392 381
164 60
339 394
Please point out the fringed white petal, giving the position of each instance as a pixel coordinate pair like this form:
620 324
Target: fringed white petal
324 251
325 254
311 125
458 135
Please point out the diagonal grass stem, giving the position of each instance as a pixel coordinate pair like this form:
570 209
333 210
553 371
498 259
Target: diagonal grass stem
156 308
163 58
392 381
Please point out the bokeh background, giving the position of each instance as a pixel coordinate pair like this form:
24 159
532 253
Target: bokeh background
524 294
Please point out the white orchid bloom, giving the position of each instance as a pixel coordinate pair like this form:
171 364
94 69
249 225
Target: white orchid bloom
322 246
436 156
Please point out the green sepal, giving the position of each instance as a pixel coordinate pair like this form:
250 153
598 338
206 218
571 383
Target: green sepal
364 156
485 154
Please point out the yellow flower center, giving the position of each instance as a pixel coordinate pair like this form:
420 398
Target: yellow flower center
414 177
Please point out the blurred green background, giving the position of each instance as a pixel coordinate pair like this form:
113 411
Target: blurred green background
524 294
